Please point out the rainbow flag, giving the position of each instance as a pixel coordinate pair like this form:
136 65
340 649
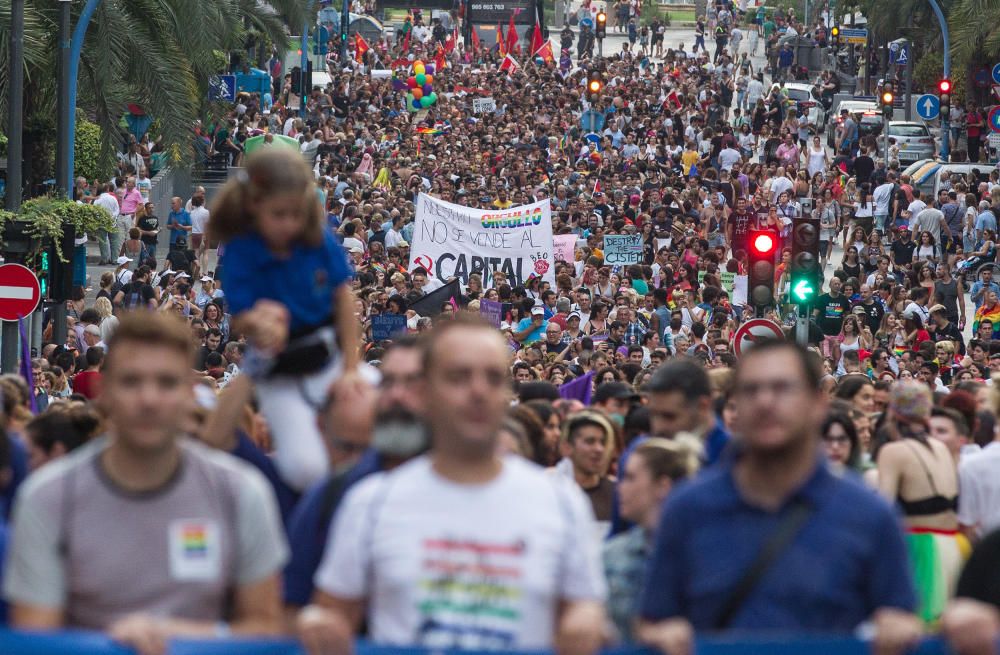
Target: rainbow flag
991 314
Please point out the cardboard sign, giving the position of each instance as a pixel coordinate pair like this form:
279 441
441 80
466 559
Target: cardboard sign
622 249
484 106
386 326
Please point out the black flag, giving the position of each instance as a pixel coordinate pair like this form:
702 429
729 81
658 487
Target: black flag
430 305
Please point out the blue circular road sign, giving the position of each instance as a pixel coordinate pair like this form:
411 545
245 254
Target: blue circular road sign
996 73
928 107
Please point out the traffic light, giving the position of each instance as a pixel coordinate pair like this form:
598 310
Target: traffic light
763 244
601 29
835 35
944 95
805 276
888 97
595 84
43 273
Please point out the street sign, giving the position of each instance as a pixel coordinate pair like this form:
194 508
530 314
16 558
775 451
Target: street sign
756 329
899 53
981 78
222 87
854 35
996 73
996 91
928 106
994 118
19 292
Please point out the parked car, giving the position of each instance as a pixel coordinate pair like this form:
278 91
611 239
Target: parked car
807 103
914 140
871 119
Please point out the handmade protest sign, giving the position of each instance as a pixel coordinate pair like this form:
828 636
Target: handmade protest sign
622 249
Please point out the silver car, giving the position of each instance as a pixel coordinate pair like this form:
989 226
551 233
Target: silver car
807 103
871 120
914 140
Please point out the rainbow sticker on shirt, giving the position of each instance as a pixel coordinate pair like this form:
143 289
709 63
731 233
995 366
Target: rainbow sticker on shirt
194 541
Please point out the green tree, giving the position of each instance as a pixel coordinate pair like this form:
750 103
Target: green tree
154 53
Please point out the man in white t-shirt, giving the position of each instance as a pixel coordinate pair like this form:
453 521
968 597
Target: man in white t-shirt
462 548
915 208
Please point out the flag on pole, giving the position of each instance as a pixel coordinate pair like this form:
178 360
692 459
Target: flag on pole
501 41
545 52
512 31
452 39
674 99
406 41
475 39
597 187
536 40
360 47
509 64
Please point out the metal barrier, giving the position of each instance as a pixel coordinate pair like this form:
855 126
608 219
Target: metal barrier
88 643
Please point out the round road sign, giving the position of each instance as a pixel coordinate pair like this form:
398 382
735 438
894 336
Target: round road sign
994 119
756 329
19 292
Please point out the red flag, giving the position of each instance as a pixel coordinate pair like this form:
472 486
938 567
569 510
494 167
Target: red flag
406 41
509 64
439 60
597 187
360 47
452 39
674 99
501 41
511 31
545 52
536 39
475 39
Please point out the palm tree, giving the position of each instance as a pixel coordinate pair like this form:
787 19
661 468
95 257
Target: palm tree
157 54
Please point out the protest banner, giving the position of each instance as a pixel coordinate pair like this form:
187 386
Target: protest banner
484 106
622 249
492 311
453 240
564 246
387 326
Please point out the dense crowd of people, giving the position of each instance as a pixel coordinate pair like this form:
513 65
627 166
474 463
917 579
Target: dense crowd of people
226 445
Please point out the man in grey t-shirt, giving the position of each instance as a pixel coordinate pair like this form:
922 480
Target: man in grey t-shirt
145 534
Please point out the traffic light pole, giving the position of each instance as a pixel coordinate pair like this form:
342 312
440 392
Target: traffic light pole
945 122
802 325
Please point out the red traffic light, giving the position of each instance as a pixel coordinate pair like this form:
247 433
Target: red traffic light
763 243
944 86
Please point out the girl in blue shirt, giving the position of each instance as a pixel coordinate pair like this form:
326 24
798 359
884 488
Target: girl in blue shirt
287 282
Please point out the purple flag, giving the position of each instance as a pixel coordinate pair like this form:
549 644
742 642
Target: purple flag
578 389
26 372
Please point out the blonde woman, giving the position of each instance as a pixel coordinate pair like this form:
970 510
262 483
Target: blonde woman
109 322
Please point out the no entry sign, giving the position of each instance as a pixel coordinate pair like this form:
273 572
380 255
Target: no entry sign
756 329
19 292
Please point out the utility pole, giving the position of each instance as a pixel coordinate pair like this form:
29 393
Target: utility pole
9 351
15 106
64 177
945 123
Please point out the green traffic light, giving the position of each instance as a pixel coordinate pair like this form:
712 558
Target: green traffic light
803 290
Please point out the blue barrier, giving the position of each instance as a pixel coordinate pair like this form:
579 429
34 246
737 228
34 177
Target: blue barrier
90 643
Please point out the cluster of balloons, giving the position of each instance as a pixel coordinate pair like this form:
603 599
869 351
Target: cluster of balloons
421 92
